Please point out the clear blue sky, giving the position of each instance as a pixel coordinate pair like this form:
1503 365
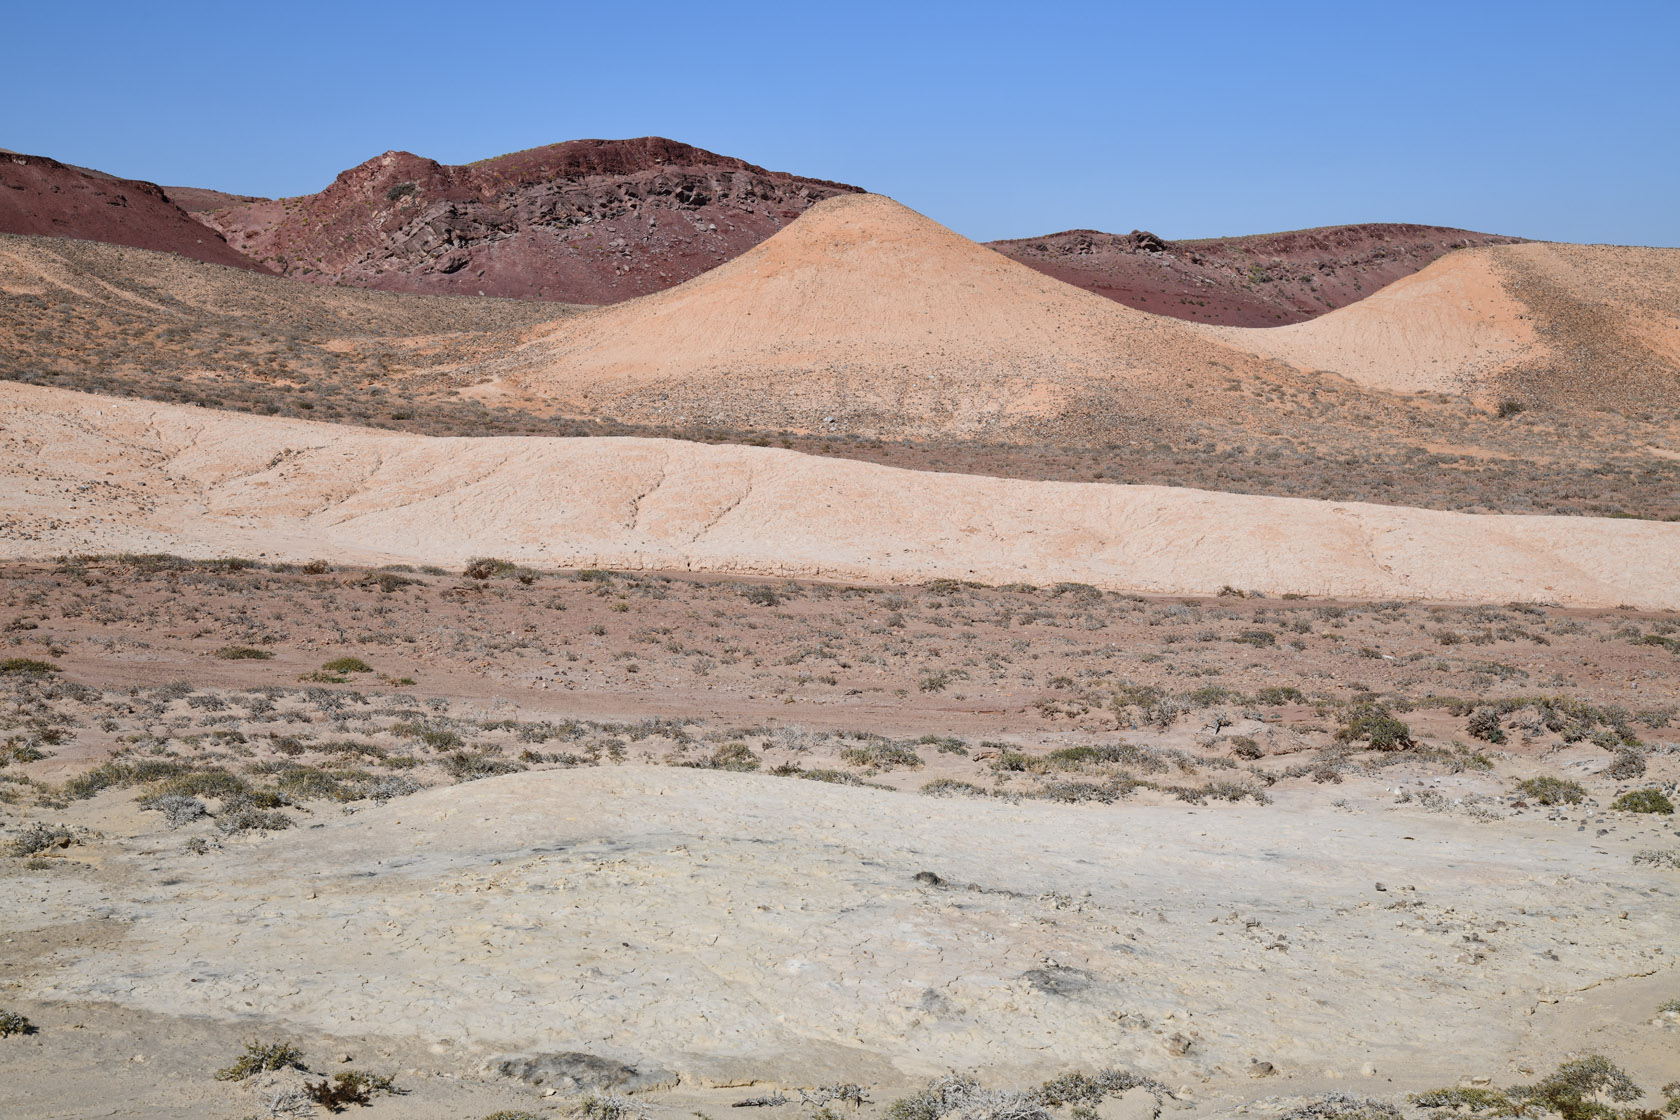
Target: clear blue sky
1548 120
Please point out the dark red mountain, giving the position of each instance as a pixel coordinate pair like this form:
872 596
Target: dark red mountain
1263 280
47 198
587 221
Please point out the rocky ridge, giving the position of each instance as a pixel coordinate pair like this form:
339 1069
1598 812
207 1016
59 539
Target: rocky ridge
1263 280
586 221
46 198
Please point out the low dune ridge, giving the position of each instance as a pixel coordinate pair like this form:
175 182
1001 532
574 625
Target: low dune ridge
131 476
1541 323
866 314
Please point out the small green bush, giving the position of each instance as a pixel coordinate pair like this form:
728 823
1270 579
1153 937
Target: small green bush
1484 725
39 837
881 756
1644 801
1547 790
243 653
734 756
26 667
484 567
262 1057
350 1087
347 665
951 787
1373 724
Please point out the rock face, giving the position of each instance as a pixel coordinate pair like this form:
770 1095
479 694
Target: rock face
46 198
1265 280
587 221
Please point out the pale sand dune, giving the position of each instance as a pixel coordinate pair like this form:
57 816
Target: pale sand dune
1435 331
1478 313
863 308
95 474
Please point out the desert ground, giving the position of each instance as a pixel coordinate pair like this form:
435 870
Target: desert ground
870 678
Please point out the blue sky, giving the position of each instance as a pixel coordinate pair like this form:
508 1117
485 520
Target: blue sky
1000 120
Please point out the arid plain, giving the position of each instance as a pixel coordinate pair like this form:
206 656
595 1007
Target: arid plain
869 676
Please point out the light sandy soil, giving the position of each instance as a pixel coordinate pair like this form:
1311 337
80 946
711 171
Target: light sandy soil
90 474
721 928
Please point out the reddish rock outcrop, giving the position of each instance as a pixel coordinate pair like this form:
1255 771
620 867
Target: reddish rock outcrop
1264 280
587 221
46 198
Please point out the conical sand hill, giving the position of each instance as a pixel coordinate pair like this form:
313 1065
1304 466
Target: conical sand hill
1571 325
866 314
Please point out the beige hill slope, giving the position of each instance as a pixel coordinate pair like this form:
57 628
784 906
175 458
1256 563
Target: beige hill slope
94 474
1559 323
865 314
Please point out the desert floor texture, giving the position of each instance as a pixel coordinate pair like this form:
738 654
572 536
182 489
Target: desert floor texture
871 678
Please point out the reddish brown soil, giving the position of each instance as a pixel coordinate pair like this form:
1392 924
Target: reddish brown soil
199 200
587 221
45 197
1264 280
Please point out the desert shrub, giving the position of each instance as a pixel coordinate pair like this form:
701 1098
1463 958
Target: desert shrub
1484 725
315 568
1342 1106
242 653
305 783
1080 1088
1644 801
387 582
15 751
26 667
1259 639
469 767
951 787
1628 762
12 1023
1573 1089
934 682
38 838
763 596
962 1097
1276 696
1547 790
484 567
400 190
347 665
262 1057
245 817
209 782
1657 857
178 810
881 755
118 773
1105 793
1373 724
734 756
607 1106
350 1087
1244 746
